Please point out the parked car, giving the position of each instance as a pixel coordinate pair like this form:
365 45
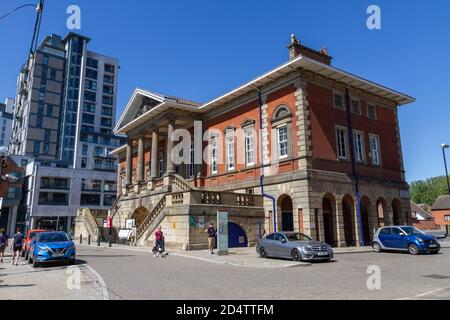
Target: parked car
31 234
295 246
50 247
405 238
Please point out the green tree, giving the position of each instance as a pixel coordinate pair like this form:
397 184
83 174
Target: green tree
427 191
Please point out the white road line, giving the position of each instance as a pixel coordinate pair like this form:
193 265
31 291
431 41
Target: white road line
423 294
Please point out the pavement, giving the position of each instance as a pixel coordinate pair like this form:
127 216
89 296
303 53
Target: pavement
22 282
124 273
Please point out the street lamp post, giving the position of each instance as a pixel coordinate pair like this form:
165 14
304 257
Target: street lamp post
446 146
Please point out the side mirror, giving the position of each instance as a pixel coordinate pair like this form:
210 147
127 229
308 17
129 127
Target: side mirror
402 234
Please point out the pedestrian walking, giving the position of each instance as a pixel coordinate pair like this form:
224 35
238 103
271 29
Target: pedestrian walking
3 244
211 231
159 243
16 246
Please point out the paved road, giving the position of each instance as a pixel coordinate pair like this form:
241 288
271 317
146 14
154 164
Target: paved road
125 274
137 275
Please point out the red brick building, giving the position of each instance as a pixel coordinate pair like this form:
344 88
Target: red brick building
10 195
441 212
323 142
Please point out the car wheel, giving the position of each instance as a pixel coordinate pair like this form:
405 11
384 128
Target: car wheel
413 249
263 253
376 247
296 256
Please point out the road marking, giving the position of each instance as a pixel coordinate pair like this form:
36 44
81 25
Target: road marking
423 294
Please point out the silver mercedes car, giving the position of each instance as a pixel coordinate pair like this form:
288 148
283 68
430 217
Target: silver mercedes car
295 246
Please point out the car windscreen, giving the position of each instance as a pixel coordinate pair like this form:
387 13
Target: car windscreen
412 231
53 237
297 237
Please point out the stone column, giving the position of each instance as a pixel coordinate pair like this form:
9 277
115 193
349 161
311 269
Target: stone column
339 227
155 162
140 165
170 129
129 164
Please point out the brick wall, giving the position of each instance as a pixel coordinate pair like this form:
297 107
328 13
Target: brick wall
439 217
324 118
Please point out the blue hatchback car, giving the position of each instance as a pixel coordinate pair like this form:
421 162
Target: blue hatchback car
52 247
405 238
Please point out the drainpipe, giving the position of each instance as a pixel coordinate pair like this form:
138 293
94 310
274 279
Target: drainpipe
353 161
261 157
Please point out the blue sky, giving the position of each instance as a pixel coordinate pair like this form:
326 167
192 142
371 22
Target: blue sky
200 49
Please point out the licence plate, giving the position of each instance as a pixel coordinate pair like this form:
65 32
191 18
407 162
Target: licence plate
57 255
321 254
433 245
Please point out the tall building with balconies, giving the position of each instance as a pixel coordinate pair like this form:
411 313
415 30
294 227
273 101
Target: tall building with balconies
64 115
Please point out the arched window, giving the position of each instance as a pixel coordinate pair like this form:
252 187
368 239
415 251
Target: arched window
281 131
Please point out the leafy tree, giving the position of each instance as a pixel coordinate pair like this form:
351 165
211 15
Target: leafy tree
427 191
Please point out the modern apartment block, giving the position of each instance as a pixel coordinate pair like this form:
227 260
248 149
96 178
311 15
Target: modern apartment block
6 119
66 104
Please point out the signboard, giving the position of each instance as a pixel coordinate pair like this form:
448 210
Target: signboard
125 234
130 223
1 203
222 232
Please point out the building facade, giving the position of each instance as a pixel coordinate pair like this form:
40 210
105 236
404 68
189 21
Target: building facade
63 120
305 147
11 186
441 212
6 119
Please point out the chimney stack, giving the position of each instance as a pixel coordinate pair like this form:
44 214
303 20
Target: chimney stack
296 49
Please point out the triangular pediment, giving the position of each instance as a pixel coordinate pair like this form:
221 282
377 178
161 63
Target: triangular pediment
141 102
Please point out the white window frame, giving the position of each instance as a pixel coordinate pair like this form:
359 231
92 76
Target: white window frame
283 127
352 99
337 93
231 158
338 142
360 150
249 152
375 110
374 136
214 157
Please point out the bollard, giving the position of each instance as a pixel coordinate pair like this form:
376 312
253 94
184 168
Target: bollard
89 239
98 237
110 240
81 238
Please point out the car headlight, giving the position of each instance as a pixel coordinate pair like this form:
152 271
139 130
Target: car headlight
70 248
420 240
307 248
43 249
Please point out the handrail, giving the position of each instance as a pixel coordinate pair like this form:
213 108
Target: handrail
150 217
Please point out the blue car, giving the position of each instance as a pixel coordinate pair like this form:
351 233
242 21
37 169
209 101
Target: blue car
52 247
405 238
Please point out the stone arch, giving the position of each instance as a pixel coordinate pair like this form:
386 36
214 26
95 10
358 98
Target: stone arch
286 212
328 213
348 209
281 112
382 212
396 211
365 212
139 215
